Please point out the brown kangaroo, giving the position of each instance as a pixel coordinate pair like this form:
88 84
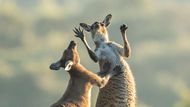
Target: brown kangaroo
78 91
120 90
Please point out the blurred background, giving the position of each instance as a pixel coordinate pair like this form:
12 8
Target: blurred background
34 33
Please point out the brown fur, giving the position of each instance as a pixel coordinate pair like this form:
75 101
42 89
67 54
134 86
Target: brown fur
78 92
120 90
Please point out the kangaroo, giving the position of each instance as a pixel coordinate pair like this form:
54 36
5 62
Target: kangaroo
78 92
120 90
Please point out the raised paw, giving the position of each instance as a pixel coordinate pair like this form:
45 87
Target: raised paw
79 33
123 28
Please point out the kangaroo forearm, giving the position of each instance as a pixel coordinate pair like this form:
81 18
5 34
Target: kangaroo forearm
90 52
127 48
86 44
97 80
103 81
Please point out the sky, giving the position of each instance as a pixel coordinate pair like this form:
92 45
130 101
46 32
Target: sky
34 33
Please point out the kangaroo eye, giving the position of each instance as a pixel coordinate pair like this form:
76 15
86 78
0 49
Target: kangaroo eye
102 24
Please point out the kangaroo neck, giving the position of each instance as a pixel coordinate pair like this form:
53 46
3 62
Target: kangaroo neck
81 97
100 38
100 42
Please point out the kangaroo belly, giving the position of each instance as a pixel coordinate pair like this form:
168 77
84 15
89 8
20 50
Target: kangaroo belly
105 52
114 94
119 92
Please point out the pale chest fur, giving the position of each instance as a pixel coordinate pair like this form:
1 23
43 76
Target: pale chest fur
106 52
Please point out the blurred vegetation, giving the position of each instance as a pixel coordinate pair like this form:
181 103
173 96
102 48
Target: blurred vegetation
33 34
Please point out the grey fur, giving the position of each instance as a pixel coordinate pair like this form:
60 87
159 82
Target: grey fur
120 90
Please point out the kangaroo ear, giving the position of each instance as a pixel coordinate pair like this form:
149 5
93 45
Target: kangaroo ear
55 66
85 26
107 20
68 65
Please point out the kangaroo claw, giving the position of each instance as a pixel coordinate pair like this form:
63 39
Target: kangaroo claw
123 28
79 33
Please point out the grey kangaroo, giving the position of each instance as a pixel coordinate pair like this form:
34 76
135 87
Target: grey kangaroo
78 92
120 90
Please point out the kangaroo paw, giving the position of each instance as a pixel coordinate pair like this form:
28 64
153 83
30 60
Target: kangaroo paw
79 33
123 28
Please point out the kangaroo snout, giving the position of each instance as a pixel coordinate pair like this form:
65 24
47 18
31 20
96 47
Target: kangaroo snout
72 45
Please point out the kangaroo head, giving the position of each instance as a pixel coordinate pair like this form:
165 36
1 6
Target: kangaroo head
69 58
98 29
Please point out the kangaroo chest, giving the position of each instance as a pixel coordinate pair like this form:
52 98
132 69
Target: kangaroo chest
105 52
